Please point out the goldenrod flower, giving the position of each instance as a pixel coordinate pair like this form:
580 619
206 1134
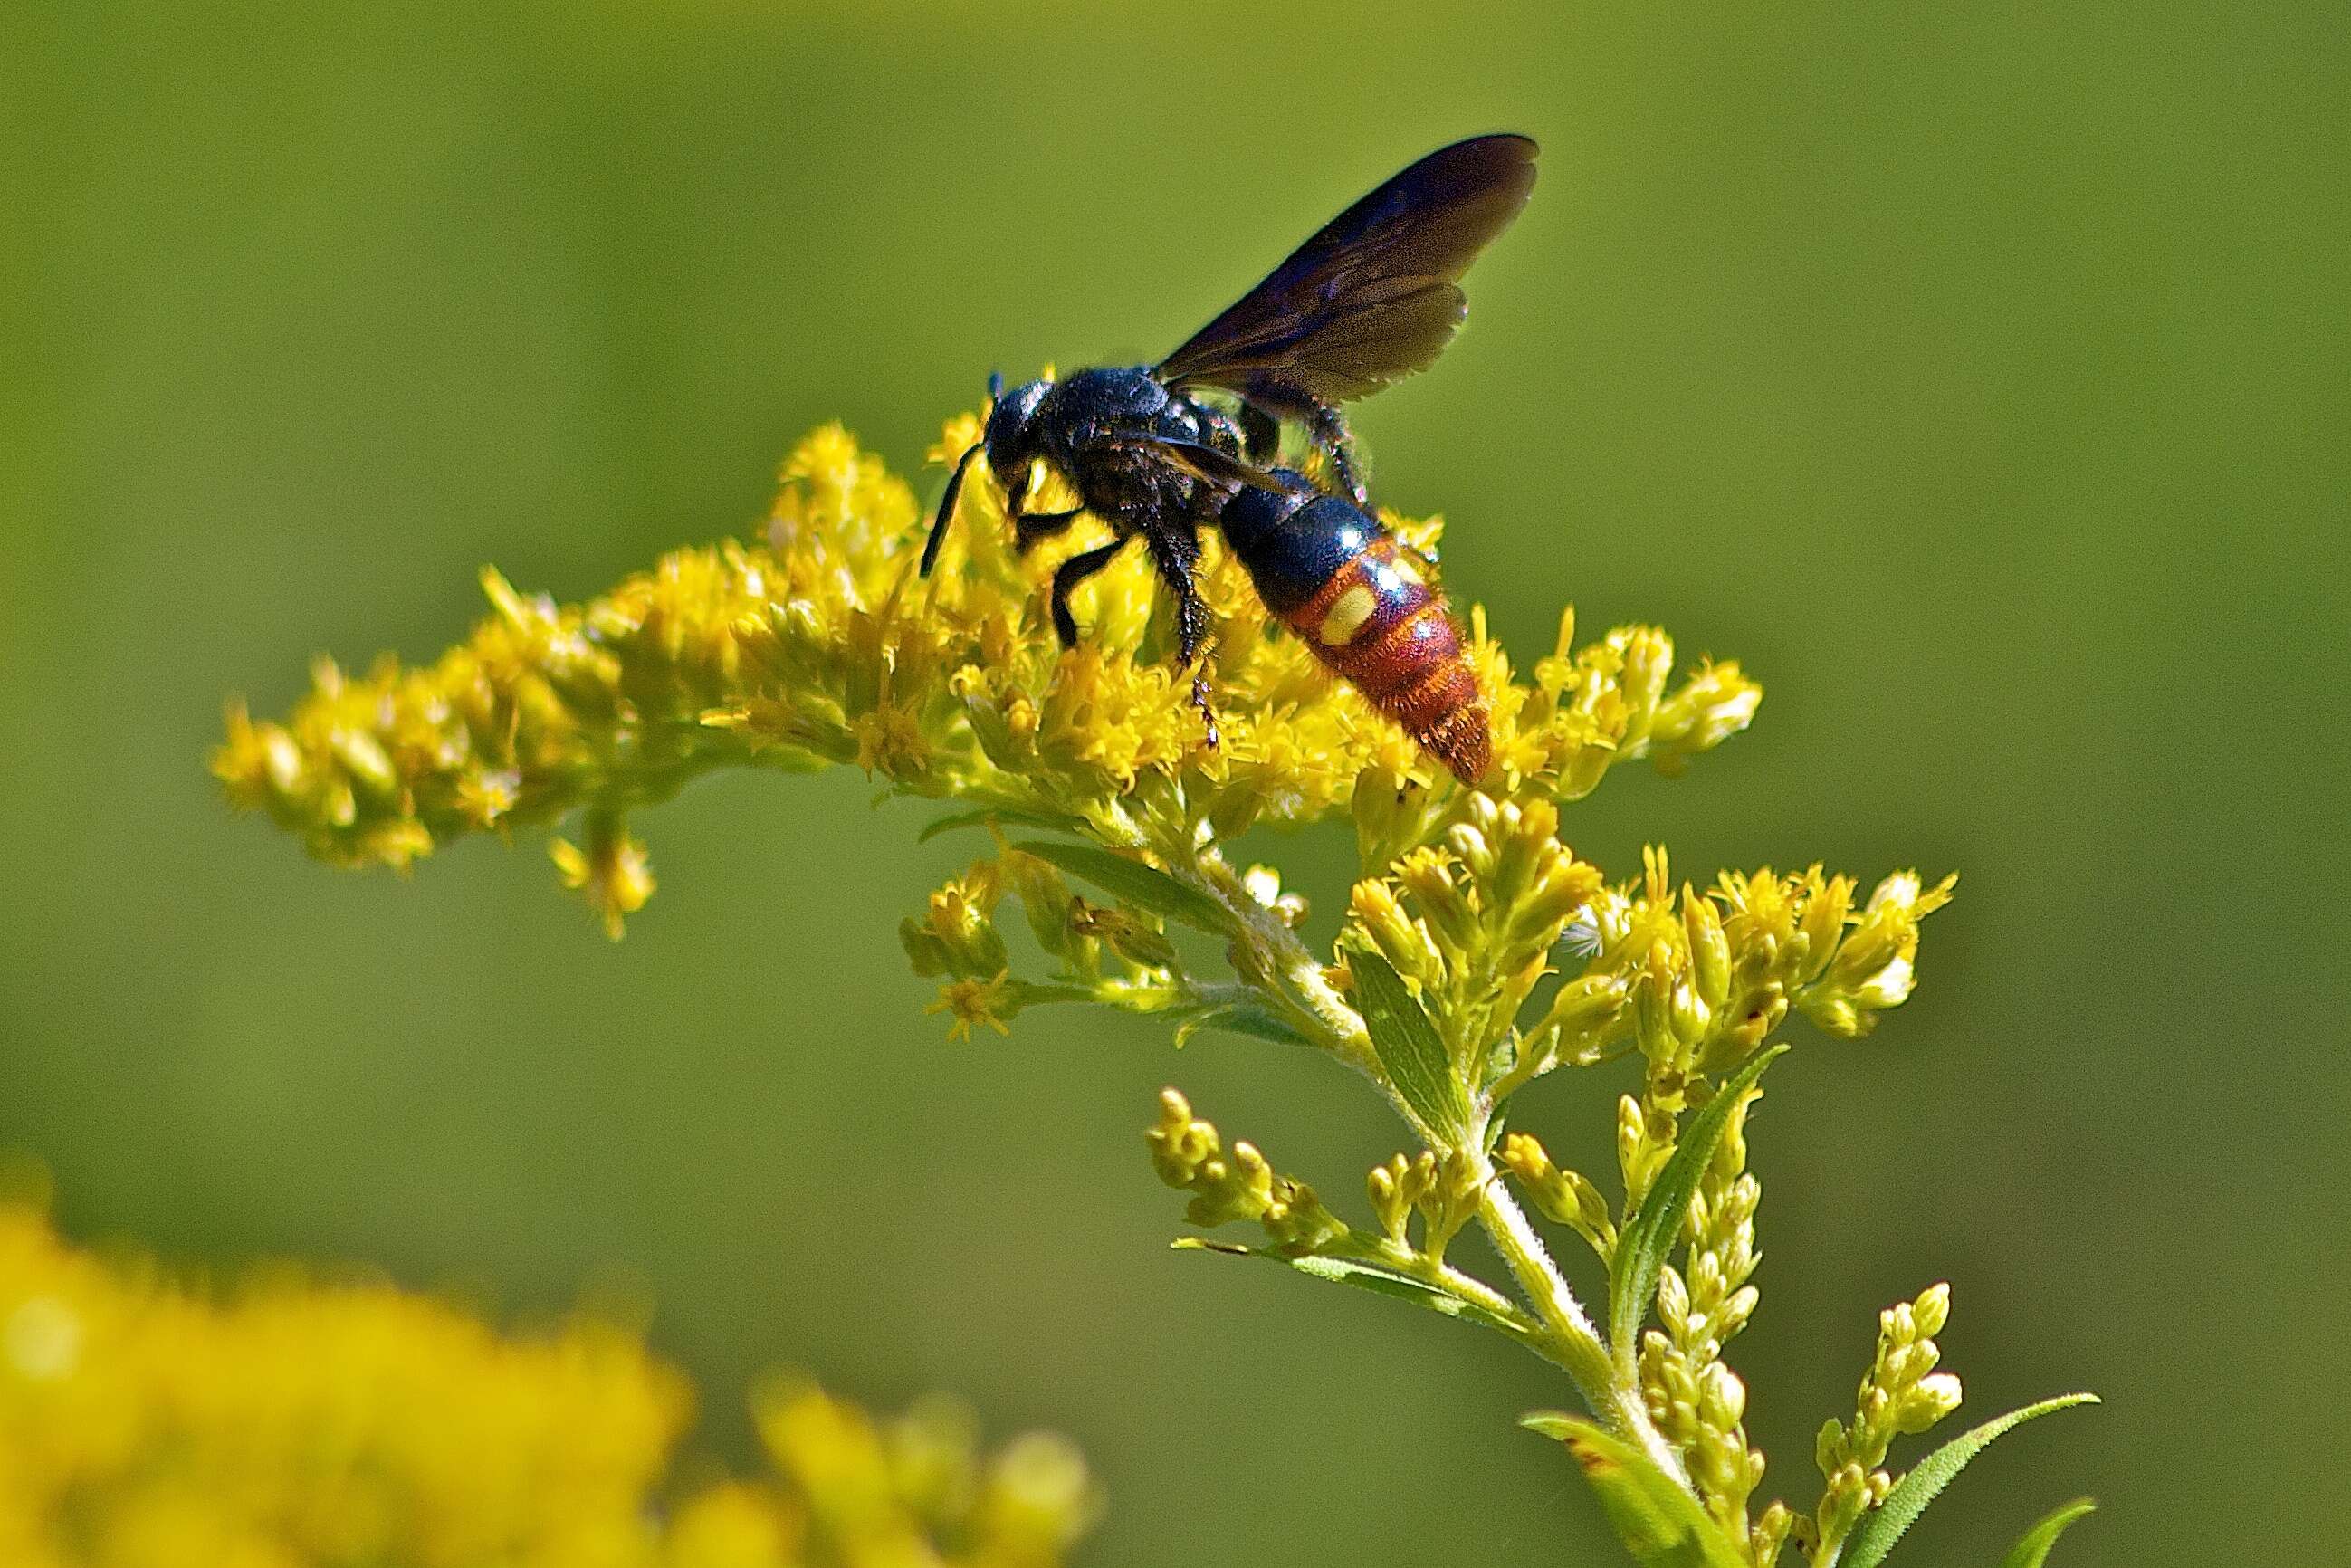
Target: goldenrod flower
820 646
1478 952
971 1003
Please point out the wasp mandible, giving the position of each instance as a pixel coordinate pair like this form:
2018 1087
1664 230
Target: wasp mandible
1372 296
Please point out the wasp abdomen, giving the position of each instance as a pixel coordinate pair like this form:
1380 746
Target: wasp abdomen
1342 581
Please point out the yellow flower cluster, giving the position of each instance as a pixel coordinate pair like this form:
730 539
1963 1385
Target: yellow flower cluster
820 645
294 1424
1698 982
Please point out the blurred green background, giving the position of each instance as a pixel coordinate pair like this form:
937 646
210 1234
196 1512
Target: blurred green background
1976 373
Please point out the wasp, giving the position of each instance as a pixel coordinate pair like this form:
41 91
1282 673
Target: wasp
1160 451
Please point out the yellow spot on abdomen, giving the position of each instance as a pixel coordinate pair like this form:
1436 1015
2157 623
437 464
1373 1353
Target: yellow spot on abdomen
1347 614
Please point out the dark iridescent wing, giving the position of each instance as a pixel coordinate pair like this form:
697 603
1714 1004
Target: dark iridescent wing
1375 295
1204 462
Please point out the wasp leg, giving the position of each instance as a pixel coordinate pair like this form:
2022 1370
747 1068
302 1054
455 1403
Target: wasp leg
1067 575
1027 528
1176 552
1329 432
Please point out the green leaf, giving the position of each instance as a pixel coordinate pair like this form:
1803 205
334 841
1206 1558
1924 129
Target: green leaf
1884 1525
1660 1523
1368 1276
1408 1043
2031 1548
1251 1017
1144 886
1647 1239
982 816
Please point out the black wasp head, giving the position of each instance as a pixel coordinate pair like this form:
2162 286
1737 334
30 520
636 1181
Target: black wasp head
1010 443
1011 436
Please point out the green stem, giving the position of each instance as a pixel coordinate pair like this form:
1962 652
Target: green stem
1572 1341
1569 1339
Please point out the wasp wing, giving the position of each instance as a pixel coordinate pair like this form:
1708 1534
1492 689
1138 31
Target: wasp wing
1371 297
1206 463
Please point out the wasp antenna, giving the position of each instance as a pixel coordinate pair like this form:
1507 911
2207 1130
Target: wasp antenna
947 507
995 386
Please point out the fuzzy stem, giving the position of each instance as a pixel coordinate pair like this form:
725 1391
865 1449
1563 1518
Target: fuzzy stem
1573 1342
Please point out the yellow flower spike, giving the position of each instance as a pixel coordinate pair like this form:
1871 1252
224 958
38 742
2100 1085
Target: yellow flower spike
958 936
1716 702
890 742
1875 966
1825 909
818 647
1902 1395
1242 1187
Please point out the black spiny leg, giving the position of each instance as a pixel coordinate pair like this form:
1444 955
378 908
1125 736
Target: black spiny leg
1067 575
1027 528
1176 552
1328 430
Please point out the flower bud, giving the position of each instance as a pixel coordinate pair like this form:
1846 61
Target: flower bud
1722 1397
1709 949
1401 940
1387 806
1180 1144
1388 1204
1823 924
1689 1014
1427 874
1648 660
959 917
1929 1401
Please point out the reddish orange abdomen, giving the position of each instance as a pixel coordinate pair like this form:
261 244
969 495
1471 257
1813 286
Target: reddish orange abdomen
1383 628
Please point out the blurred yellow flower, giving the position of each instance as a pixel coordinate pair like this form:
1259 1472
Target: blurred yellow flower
294 1423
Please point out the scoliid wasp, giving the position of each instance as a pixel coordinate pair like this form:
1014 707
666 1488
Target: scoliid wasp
1371 297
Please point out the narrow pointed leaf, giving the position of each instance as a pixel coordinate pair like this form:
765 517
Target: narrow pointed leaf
1368 1276
1252 1019
1408 1042
1144 886
1884 1525
979 816
1660 1523
1647 1239
2031 1548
